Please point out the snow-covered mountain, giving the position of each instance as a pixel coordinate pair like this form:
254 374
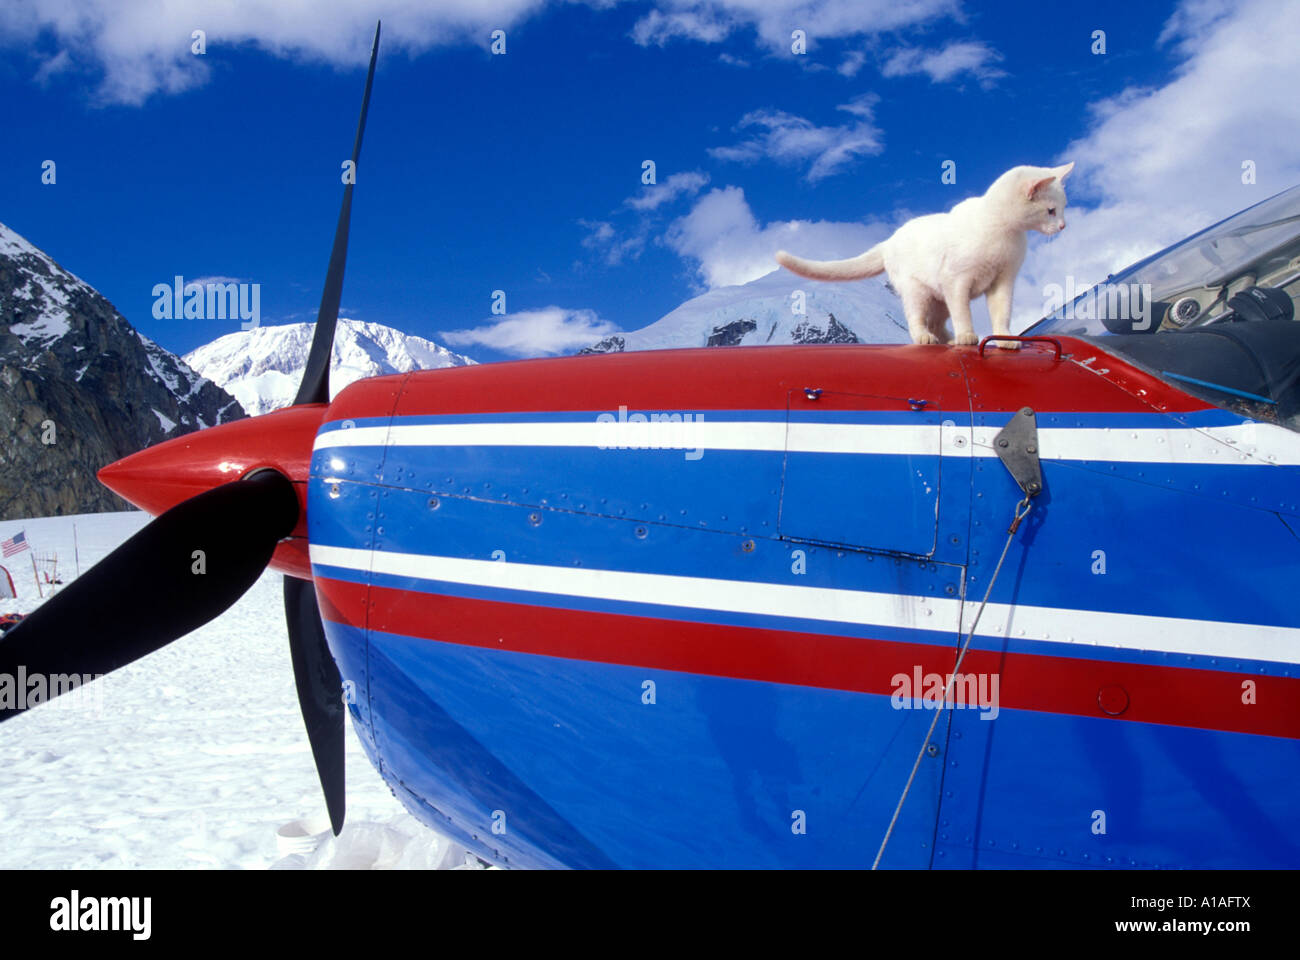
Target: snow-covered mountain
262 367
80 388
767 311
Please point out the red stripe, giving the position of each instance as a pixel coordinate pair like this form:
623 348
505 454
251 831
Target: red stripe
762 378
1205 699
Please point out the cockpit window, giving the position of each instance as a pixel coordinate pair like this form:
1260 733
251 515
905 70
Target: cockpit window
1214 315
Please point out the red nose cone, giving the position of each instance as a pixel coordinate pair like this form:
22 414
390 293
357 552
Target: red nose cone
158 478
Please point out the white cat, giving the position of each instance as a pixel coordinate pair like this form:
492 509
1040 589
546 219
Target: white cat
939 263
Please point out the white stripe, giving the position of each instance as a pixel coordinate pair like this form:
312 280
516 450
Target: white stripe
1056 625
1243 443
762 435
1247 442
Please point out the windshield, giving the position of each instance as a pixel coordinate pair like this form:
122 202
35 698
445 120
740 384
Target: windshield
1214 315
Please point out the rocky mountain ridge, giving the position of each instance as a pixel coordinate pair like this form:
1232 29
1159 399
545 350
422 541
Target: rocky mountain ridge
80 388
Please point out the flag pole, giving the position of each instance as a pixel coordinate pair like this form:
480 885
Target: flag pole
76 557
35 576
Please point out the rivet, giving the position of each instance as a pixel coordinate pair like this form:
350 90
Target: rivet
1113 700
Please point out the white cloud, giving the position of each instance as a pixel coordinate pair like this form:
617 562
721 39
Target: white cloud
794 141
1159 164
142 47
532 333
851 64
653 196
51 67
614 245
710 21
703 23
947 63
727 245
610 245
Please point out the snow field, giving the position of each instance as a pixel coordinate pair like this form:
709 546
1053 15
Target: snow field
190 758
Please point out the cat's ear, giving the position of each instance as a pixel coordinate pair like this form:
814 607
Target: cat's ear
1063 172
1034 186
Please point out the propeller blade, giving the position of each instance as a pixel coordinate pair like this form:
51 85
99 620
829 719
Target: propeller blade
182 570
320 692
315 386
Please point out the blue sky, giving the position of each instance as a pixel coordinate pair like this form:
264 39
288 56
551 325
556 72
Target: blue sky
522 172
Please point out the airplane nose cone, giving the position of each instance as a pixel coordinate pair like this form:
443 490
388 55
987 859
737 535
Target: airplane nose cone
154 479
159 477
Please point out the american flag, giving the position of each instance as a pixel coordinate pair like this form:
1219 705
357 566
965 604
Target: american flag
15 544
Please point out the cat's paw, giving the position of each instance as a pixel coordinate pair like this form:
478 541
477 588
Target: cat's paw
1008 344
967 339
926 337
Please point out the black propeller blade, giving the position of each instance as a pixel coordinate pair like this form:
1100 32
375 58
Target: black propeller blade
182 570
320 688
315 386
320 692
194 561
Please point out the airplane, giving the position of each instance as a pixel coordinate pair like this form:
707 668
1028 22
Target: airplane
781 607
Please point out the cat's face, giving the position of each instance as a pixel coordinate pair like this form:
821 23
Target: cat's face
1044 200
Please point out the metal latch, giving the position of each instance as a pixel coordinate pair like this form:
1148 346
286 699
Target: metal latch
1017 447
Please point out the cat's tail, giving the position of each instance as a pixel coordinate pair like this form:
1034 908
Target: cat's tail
855 268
